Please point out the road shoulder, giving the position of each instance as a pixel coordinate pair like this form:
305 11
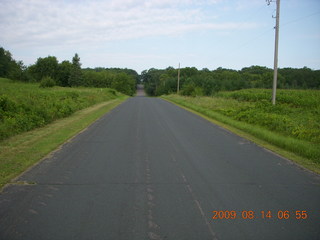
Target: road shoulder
301 162
24 151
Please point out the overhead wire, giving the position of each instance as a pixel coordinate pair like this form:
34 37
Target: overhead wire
236 48
300 18
265 32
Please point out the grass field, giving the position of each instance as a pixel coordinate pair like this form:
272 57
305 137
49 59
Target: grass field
34 121
25 106
293 124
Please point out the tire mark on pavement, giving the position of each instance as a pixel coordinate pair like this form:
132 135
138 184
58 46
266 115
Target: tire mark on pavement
195 200
153 227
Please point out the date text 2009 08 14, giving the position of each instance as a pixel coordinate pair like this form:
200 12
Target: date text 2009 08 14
249 214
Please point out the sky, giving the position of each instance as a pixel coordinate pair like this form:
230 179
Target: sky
144 34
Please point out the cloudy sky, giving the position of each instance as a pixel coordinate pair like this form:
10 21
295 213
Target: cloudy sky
141 34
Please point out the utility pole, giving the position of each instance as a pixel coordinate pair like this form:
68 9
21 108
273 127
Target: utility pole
178 79
275 67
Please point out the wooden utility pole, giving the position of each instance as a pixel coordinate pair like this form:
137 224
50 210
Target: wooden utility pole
275 67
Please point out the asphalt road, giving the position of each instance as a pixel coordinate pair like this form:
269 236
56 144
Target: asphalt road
151 170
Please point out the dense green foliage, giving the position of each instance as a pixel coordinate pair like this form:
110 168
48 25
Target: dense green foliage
296 115
25 106
75 77
194 82
47 82
45 67
9 68
113 78
68 74
127 71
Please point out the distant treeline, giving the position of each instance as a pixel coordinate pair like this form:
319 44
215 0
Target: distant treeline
194 82
49 72
123 80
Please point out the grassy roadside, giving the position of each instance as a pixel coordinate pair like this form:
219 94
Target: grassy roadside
20 152
26 106
304 153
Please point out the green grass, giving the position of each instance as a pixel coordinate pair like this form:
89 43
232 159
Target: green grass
22 150
25 106
291 128
296 114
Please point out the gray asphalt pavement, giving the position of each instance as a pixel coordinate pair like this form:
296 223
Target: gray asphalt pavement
151 170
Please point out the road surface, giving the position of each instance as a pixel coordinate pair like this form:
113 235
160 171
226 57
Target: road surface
151 170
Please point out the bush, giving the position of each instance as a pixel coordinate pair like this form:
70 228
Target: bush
293 124
198 91
25 106
47 82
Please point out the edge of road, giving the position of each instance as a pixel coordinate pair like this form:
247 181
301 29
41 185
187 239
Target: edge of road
22 152
299 161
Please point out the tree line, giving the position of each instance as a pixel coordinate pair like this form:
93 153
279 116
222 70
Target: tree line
194 82
49 72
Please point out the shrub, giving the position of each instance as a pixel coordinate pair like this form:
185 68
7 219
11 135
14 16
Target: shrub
47 82
25 106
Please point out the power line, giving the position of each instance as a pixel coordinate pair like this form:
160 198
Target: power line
253 38
244 44
301 18
238 27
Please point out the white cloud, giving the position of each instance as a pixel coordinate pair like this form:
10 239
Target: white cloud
45 22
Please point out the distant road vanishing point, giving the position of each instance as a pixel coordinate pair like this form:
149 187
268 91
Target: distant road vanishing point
152 170
140 91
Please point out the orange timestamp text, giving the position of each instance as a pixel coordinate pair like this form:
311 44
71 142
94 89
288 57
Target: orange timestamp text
249 214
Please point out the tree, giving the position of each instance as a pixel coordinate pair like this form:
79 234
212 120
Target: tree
45 67
63 74
76 61
76 78
124 83
5 59
10 68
